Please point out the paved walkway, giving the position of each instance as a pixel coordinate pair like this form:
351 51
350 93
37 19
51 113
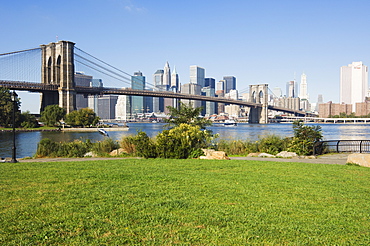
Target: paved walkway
340 159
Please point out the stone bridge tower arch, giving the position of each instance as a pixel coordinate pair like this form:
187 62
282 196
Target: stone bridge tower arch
258 94
57 68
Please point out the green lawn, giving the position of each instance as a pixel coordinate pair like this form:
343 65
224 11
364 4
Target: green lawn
185 202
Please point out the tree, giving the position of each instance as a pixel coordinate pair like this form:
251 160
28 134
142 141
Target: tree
304 138
6 108
186 114
52 114
28 120
82 117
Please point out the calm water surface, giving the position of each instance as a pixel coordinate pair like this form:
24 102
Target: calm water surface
26 142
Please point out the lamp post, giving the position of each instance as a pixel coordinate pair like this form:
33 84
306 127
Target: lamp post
14 100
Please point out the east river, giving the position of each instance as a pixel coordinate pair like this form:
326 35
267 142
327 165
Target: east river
26 142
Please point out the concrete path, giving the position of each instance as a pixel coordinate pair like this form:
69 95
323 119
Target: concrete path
340 159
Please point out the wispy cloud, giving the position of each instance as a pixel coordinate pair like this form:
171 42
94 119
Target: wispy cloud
130 6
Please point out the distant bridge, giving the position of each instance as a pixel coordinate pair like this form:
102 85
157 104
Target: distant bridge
58 86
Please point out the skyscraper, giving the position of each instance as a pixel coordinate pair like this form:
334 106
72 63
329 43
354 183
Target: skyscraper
353 83
303 87
167 74
138 83
197 75
230 83
291 90
175 81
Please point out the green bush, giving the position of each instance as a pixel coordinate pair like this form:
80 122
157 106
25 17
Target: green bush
48 148
144 146
104 147
272 144
304 138
182 142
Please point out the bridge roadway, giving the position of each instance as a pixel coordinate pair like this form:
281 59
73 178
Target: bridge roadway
39 87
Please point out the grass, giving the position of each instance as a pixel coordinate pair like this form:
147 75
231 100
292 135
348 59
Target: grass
186 202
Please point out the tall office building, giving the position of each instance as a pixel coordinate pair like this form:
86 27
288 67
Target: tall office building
123 108
197 75
353 83
175 81
210 82
137 102
82 80
291 90
193 89
230 83
107 106
303 88
93 99
167 75
209 108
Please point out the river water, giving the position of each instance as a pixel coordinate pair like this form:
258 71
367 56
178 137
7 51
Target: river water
26 142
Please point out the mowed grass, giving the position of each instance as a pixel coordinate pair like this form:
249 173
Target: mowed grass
185 202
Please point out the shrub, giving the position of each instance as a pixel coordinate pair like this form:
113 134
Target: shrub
48 148
127 143
182 142
272 144
104 147
304 138
144 146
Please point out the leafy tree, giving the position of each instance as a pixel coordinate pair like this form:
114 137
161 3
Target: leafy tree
186 114
28 120
82 117
304 138
52 114
6 108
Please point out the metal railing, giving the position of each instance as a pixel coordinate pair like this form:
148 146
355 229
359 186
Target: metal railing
338 146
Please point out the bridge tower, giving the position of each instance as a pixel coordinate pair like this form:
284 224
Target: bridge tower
58 68
258 94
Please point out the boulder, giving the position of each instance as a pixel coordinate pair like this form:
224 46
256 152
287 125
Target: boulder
253 154
360 159
211 154
266 155
117 152
90 154
286 154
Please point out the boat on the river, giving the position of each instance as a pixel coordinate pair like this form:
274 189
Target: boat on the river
104 132
230 123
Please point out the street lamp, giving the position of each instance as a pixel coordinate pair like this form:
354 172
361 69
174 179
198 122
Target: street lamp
14 100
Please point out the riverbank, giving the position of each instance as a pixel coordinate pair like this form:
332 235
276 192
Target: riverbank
108 129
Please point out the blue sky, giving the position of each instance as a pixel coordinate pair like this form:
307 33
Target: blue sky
261 41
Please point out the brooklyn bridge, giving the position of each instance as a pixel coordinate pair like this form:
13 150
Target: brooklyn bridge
57 84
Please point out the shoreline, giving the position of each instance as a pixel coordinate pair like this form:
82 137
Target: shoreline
108 129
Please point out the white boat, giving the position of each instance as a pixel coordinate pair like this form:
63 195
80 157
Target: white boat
104 132
230 123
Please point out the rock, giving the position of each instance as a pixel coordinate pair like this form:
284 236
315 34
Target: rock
117 152
286 154
310 157
266 155
253 154
214 155
360 159
90 154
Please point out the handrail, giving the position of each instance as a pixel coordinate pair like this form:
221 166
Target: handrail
340 146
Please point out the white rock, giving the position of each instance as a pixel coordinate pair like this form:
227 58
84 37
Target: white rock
286 154
266 155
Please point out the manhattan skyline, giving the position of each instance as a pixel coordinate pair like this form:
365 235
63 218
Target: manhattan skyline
258 42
